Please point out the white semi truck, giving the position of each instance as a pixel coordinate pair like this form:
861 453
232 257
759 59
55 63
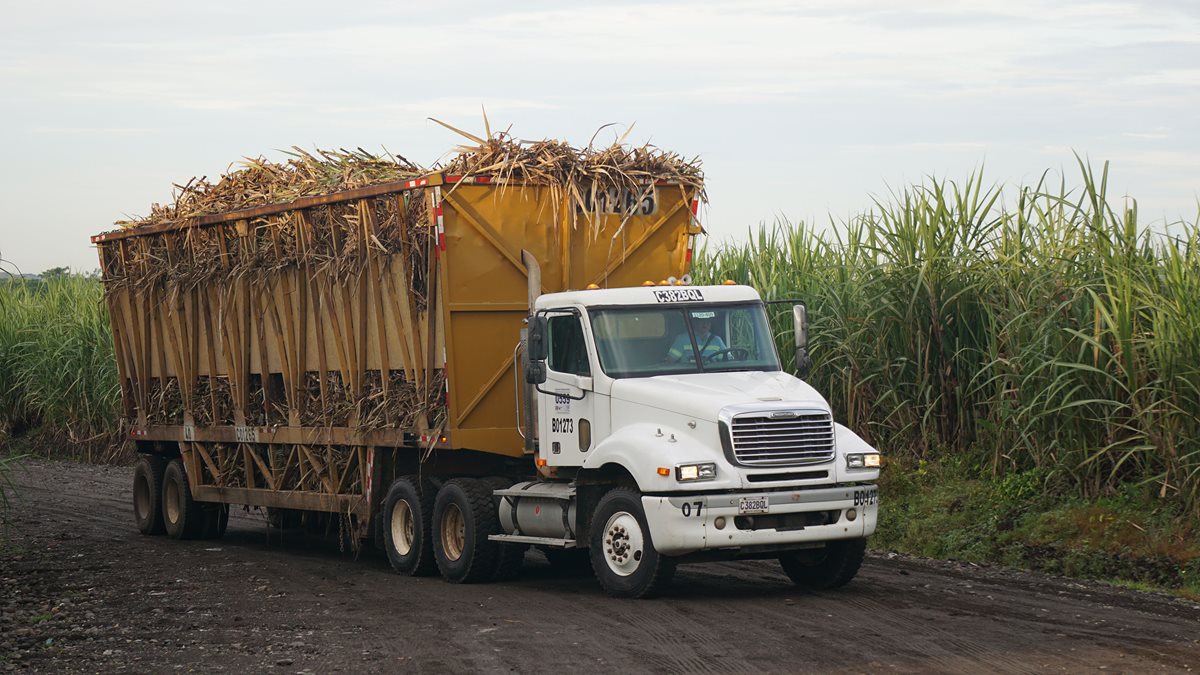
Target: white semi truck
671 399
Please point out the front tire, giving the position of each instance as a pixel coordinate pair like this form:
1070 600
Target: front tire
407 531
147 494
463 517
622 550
826 568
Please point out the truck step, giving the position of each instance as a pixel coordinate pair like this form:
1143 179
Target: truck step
536 541
564 495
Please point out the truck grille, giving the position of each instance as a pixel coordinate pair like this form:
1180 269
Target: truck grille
782 438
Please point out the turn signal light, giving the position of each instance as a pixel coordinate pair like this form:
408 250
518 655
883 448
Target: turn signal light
664 471
540 462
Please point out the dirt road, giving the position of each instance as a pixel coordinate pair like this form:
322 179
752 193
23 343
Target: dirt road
81 590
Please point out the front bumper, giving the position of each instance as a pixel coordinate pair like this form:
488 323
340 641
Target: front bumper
680 525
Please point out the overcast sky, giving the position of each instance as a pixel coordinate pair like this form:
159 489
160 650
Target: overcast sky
800 109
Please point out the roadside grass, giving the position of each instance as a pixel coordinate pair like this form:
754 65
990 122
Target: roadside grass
58 376
952 510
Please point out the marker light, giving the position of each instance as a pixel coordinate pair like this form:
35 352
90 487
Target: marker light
592 287
664 471
729 282
540 462
647 283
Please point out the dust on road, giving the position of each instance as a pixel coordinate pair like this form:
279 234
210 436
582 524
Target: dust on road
81 590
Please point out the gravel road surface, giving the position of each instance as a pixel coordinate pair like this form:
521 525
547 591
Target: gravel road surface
82 591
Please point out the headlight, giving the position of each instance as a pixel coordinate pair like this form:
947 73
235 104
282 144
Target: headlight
870 460
694 472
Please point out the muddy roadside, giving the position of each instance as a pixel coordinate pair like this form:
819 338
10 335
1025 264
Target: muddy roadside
82 591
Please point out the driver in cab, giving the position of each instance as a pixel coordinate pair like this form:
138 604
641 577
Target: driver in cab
709 342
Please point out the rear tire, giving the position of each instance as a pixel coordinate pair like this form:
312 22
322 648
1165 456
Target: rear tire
622 550
405 527
826 568
183 516
216 520
463 517
147 494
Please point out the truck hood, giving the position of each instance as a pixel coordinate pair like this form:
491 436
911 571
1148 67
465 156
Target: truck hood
702 395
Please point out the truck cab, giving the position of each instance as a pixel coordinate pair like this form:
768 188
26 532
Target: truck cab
667 432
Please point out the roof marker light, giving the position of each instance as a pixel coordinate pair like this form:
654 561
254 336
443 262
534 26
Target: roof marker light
593 287
647 283
729 282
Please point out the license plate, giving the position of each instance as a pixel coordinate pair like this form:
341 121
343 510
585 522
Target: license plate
753 505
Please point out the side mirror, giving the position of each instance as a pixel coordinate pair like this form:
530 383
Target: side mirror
800 322
535 372
535 346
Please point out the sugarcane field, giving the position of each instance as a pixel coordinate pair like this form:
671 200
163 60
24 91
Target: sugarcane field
369 342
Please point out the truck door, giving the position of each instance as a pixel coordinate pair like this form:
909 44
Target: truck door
567 403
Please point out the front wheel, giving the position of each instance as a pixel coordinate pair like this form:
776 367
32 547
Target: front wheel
825 568
622 550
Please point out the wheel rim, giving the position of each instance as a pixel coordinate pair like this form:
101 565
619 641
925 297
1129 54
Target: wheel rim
141 498
624 543
402 527
454 532
171 497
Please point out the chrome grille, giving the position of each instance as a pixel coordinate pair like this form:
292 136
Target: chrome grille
782 438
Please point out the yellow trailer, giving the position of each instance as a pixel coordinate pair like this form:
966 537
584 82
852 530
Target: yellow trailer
303 355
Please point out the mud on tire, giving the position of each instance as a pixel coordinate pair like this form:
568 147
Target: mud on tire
405 526
825 568
622 551
463 517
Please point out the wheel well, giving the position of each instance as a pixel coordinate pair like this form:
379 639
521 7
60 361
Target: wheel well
611 474
591 485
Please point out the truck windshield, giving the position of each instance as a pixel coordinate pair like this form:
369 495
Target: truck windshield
658 340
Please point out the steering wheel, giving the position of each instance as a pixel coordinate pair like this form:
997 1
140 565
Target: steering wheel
731 354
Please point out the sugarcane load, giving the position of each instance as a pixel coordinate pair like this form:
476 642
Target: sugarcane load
461 362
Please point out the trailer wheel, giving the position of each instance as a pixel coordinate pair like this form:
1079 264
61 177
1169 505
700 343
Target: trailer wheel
463 517
510 558
182 515
405 528
622 550
147 494
216 520
825 568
